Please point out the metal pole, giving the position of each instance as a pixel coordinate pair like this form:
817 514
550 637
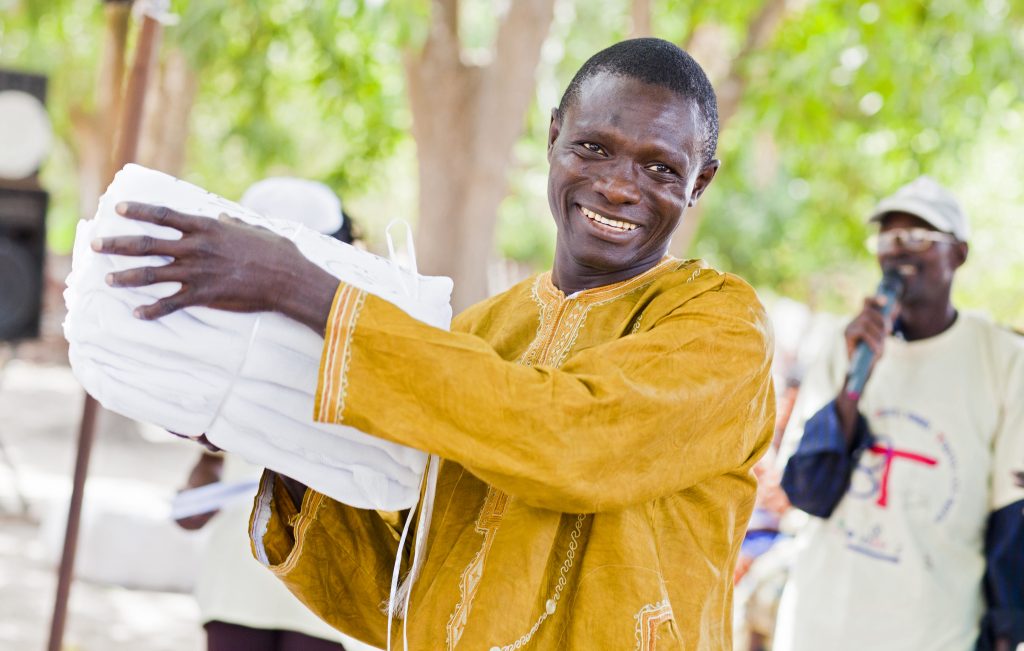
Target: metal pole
86 435
131 122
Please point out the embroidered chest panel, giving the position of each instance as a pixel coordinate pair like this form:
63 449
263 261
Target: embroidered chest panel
561 319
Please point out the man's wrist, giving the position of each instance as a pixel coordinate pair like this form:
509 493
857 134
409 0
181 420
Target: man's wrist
848 414
309 301
296 490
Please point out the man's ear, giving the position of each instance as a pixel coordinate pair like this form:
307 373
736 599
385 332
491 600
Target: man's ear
553 129
960 253
704 178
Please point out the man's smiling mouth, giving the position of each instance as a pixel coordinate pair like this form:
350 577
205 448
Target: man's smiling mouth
614 224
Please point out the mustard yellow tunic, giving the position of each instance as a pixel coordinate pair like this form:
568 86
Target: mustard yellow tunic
596 483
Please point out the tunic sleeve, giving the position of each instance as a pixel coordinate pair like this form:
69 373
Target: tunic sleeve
818 473
336 559
628 421
1004 537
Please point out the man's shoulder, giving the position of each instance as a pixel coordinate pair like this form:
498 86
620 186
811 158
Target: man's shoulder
513 298
693 279
1001 334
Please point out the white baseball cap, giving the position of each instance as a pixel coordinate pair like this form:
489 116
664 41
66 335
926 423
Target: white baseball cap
926 199
310 203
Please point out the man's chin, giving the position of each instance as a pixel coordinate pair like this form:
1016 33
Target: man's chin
606 260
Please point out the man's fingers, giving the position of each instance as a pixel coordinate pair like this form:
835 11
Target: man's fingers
142 276
136 245
194 522
163 307
224 217
870 329
161 216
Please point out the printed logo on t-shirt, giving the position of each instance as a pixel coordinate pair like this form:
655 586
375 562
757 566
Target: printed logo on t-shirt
907 480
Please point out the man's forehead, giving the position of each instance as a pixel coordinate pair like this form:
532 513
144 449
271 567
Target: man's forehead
904 220
619 91
609 102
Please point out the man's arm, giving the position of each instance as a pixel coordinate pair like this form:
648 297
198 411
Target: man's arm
296 490
224 264
207 470
1003 623
336 559
644 416
620 423
1004 577
818 473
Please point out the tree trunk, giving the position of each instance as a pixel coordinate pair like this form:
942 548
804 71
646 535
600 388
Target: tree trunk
466 120
641 14
730 89
169 103
93 133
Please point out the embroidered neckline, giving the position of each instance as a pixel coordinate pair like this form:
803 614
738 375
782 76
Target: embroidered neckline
546 291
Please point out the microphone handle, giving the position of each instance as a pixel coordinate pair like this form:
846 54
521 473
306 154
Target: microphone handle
863 356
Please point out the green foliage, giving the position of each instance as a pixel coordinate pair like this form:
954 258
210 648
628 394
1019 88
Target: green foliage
307 88
845 102
61 39
859 99
314 89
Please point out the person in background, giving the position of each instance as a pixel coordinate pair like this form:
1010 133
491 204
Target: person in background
917 539
242 606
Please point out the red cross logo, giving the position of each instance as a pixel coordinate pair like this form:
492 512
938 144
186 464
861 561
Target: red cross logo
891 454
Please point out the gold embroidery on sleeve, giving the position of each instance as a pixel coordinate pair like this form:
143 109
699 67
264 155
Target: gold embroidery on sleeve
341 324
648 619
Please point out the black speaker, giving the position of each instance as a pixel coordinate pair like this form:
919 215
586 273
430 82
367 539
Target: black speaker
22 250
22 216
27 82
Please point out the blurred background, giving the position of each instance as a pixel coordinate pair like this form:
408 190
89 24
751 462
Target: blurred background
436 111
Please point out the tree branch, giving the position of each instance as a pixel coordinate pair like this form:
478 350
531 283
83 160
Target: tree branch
760 30
520 36
641 14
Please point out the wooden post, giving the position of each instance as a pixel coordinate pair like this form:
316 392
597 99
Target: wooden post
127 146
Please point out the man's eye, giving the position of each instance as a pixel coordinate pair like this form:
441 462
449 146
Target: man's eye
659 168
594 147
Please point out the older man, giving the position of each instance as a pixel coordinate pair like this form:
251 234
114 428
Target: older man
598 422
912 481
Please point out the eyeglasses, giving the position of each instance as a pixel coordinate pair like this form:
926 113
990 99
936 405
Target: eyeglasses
914 240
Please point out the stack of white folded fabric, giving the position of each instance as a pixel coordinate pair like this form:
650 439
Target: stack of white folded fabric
245 380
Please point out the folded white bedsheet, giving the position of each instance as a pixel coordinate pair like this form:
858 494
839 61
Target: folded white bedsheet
245 380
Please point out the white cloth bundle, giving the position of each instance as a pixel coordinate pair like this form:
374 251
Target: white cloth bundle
245 380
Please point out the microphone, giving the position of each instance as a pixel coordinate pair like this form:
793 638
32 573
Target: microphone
890 287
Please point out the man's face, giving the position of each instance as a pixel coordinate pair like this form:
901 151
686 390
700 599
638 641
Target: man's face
625 163
928 274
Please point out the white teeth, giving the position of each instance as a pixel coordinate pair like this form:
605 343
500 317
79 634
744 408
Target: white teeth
614 223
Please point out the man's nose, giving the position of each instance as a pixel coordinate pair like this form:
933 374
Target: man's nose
618 186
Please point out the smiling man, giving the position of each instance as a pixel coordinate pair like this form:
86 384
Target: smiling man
598 422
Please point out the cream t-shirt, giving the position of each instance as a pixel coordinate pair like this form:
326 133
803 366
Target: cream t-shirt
899 563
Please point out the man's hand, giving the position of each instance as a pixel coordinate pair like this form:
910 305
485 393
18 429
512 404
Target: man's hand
870 327
206 471
201 440
224 264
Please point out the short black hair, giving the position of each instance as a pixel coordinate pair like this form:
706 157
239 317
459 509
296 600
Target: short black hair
658 62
